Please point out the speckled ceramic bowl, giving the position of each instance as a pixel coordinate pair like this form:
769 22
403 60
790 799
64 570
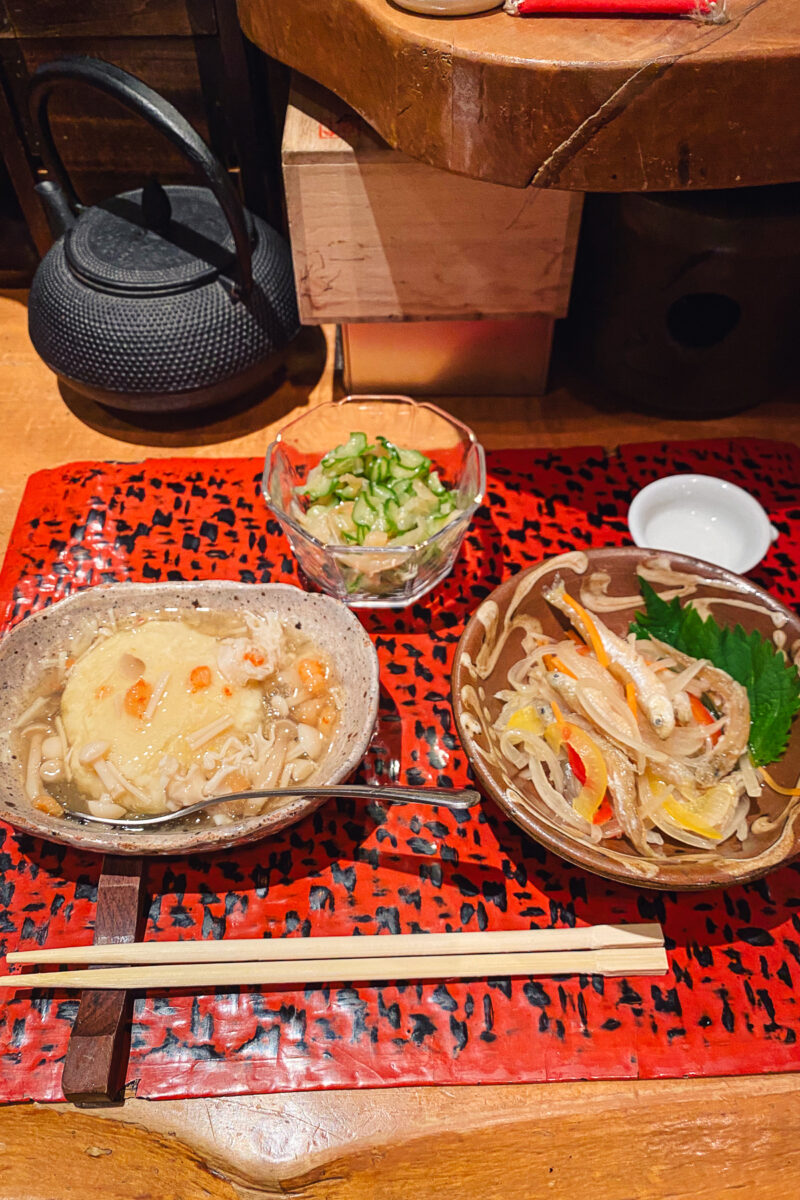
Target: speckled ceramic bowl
492 643
75 620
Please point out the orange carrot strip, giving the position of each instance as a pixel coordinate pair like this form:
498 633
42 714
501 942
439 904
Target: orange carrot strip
553 663
594 636
579 642
776 787
702 715
699 711
630 696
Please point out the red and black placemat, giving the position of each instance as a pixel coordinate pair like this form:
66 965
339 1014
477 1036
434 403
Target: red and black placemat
729 1004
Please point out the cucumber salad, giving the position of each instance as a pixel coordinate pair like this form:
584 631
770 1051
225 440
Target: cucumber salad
375 495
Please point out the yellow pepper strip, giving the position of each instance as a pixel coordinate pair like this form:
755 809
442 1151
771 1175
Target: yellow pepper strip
527 719
630 696
591 629
553 663
593 790
684 817
590 797
776 787
552 735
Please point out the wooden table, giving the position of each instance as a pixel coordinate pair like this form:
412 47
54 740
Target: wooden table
581 103
709 1139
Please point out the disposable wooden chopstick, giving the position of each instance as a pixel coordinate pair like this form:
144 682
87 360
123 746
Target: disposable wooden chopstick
645 960
592 937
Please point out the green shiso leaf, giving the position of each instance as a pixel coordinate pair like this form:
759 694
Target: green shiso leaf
772 683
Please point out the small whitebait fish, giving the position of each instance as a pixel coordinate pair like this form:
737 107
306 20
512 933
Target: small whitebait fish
623 660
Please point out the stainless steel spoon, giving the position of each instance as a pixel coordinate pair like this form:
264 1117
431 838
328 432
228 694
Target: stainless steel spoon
456 798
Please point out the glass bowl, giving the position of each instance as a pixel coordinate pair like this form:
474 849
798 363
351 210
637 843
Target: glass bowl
369 576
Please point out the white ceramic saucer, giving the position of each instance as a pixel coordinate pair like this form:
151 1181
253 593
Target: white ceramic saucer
448 8
705 517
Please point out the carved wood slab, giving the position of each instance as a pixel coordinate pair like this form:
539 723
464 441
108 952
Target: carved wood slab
581 103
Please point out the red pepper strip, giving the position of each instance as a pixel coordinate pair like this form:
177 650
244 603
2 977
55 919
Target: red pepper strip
575 761
605 812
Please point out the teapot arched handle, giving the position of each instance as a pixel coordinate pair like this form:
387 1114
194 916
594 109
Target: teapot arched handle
158 112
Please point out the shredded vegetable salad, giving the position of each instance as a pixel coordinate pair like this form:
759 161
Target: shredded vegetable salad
375 494
629 737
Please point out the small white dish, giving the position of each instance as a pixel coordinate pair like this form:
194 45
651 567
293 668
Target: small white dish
448 8
704 517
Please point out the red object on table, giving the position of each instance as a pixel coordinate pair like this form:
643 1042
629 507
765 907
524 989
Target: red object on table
651 7
731 1002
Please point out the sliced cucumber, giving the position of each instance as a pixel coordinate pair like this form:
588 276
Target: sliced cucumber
355 446
363 512
376 470
376 494
344 466
435 484
400 517
398 471
413 459
380 521
317 485
379 491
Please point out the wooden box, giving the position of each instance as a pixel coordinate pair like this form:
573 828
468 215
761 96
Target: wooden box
379 237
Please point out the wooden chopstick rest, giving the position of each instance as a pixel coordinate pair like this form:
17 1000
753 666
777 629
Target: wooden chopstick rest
645 960
96 1061
592 937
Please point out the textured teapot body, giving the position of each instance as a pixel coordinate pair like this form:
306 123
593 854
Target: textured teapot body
160 298
177 349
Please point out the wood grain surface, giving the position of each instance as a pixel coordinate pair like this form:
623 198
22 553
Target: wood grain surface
576 103
429 244
110 18
672 1140
710 1139
107 149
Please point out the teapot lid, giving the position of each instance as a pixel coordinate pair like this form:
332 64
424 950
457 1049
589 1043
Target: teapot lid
152 241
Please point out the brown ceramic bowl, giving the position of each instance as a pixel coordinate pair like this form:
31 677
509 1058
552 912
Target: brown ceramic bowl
330 625
491 644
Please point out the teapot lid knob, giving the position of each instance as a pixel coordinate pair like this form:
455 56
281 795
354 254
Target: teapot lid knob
156 208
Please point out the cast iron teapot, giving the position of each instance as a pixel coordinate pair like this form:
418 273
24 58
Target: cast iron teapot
163 298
